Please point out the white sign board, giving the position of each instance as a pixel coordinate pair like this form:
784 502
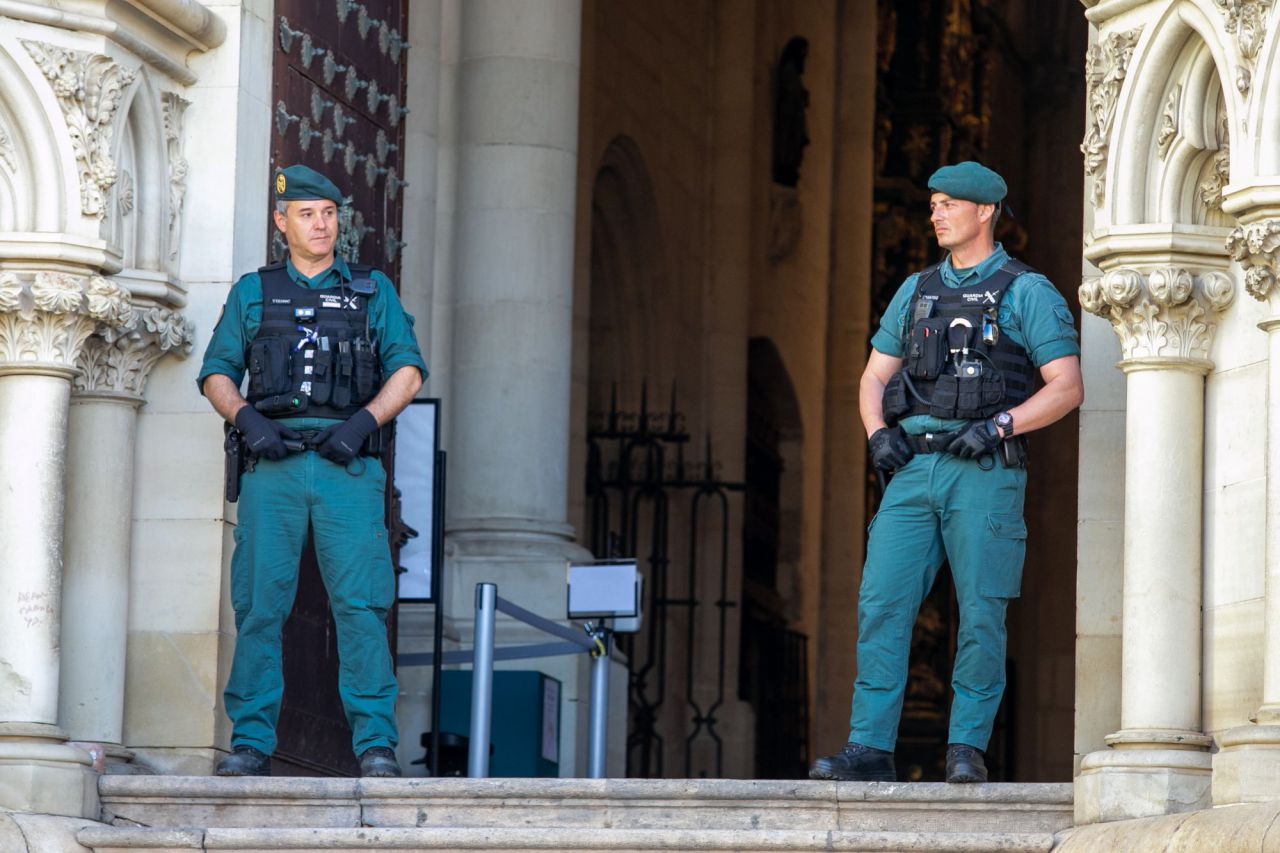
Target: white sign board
604 589
417 440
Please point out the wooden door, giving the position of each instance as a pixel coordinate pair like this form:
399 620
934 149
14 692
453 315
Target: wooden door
338 86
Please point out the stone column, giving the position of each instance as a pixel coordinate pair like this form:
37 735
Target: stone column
512 319
114 365
44 321
1247 766
1158 763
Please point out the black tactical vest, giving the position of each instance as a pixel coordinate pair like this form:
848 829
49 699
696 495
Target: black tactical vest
314 353
957 363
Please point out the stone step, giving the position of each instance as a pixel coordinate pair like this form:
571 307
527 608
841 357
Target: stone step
105 839
733 806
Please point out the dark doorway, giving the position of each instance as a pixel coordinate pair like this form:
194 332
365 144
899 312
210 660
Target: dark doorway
1001 83
773 660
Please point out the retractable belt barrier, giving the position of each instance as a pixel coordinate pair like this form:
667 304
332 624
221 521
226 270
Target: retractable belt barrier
595 640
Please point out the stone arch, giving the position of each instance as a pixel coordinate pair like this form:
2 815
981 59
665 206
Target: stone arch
1150 180
1265 116
632 306
136 219
39 153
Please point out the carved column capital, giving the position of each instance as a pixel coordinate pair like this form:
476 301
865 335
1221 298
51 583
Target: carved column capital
1256 247
117 361
1167 314
44 320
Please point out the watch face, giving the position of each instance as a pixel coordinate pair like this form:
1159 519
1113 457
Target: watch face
1004 419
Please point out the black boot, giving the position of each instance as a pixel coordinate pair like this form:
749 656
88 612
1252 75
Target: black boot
379 761
244 761
965 764
856 763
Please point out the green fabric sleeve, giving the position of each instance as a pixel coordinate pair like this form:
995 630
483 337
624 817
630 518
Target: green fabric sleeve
888 338
1039 319
241 317
397 344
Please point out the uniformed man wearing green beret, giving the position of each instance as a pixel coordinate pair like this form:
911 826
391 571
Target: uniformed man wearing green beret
330 360
949 391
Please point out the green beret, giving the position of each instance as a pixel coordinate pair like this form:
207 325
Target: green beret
969 181
298 183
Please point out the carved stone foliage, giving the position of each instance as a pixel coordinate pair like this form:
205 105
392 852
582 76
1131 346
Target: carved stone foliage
1169 121
1247 21
1167 313
1219 172
8 155
45 320
119 360
1257 247
1106 65
174 107
88 88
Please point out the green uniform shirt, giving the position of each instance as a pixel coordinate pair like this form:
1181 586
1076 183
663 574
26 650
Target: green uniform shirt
242 316
1033 314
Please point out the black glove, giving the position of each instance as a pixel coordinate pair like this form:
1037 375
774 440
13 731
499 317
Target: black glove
974 440
889 450
341 442
262 436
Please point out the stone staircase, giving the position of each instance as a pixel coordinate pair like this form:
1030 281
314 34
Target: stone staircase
171 813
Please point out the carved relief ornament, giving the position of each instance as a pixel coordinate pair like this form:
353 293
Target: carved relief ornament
119 360
1167 313
175 107
8 155
89 88
1257 248
45 321
1246 20
1106 65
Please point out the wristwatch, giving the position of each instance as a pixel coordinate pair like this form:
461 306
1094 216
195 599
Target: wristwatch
1004 420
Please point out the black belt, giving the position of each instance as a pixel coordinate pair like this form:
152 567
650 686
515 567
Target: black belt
929 442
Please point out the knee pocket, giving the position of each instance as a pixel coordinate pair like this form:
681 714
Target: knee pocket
1007 544
382 575
241 571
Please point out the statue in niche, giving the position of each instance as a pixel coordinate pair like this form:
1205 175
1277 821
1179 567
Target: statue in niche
790 99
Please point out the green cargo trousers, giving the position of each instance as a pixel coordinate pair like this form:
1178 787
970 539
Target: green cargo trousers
345 510
939 505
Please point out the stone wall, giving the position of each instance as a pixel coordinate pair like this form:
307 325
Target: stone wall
1176 141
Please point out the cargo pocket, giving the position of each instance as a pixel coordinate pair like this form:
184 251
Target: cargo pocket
382 575
1002 575
241 573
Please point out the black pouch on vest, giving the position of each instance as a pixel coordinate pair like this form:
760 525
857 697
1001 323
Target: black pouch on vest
366 374
895 403
322 378
342 370
927 349
993 393
946 394
969 396
269 367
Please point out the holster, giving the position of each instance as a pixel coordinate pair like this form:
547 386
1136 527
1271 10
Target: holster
1012 452
233 465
